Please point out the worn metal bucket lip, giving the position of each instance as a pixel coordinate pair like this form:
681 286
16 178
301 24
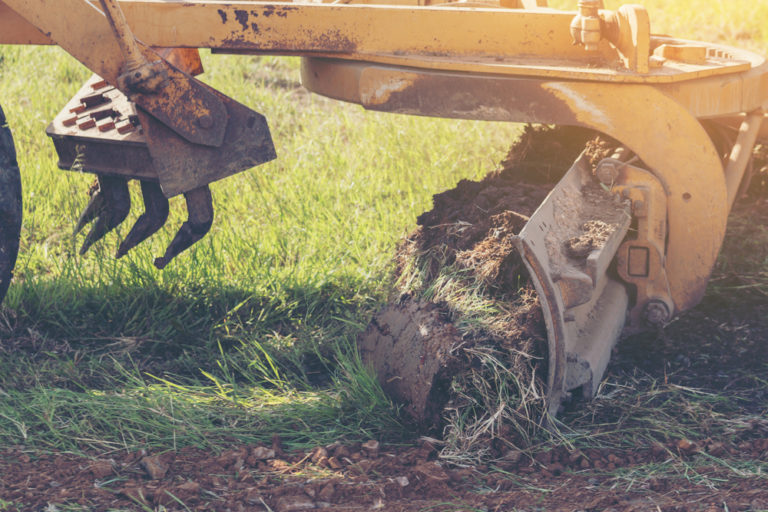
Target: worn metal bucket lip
534 252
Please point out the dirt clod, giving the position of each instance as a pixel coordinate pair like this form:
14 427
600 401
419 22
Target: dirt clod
371 447
465 316
154 467
101 468
262 453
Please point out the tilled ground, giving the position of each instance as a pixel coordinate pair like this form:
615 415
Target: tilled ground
370 477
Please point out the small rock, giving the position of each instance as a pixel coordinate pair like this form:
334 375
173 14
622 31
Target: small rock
101 468
294 504
341 452
684 445
154 467
371 448
318 453
402 481
190 487
716 449
327 492
658 449
432 471
334 463
263 453
513 456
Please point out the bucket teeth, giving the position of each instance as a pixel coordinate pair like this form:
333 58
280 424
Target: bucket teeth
200 218
92 210
154 217
108 207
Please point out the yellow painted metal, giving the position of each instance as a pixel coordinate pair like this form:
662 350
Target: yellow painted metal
655 126
531 42
81 29
741 154
640 260
14 29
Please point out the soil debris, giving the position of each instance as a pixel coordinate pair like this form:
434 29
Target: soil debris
402 478
464 338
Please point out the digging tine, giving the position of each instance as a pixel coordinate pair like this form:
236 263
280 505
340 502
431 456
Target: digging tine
112 204
200 218
93 210
154 217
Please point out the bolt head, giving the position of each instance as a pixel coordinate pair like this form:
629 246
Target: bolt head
205 121
657 313
607 172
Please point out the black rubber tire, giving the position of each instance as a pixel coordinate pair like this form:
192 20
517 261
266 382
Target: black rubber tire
10 206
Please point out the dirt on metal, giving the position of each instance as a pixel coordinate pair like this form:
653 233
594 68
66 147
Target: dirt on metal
418 344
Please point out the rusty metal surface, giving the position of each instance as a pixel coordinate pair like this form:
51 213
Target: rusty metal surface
660 129
203 118
101 125
182 166
584 308
535 42
112 136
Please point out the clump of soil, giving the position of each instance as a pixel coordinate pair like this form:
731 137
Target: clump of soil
463 343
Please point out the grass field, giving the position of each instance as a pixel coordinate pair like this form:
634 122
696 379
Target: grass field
251 333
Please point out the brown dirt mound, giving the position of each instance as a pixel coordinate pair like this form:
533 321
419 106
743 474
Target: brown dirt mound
466 320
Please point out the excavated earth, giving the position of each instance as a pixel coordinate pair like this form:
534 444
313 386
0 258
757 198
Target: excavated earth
709 348
413 345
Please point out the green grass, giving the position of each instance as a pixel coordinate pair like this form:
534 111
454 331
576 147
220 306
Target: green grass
251 332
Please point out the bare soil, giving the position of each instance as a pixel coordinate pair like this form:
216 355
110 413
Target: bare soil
367 476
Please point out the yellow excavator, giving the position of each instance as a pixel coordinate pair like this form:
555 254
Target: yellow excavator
687 115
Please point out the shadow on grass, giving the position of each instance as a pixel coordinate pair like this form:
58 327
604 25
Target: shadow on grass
175 333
